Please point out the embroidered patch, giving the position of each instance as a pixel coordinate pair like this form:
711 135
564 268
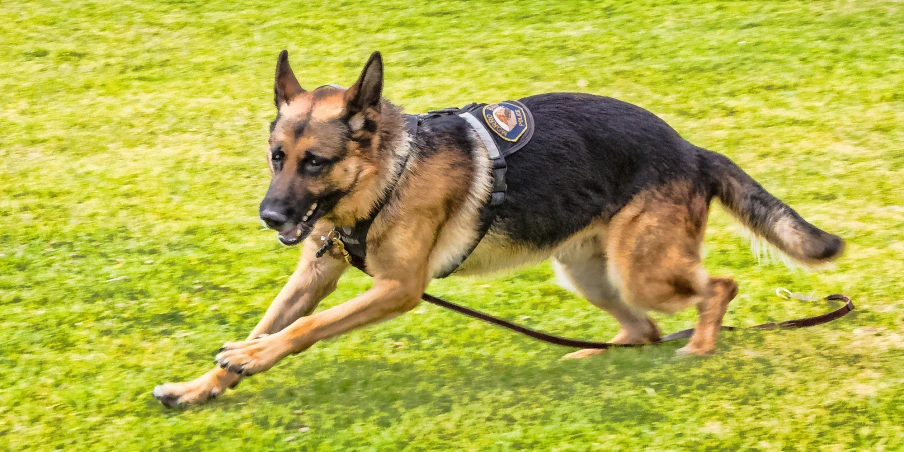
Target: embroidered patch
506 119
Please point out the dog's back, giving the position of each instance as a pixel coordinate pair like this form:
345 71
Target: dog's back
588 157
591 155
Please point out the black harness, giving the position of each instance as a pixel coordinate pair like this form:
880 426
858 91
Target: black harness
504 128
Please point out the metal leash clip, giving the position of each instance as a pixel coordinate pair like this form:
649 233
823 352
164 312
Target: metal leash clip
333 239
786 294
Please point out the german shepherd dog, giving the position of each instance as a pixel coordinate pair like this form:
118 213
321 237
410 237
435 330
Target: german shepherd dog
606 189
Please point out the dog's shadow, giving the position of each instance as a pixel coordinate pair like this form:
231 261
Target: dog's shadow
382 391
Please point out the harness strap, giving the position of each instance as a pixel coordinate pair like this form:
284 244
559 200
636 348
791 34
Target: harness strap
498 194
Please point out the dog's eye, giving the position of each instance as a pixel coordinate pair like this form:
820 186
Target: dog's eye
315 163
277 156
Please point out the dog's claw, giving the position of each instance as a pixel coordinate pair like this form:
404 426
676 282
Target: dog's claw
168 400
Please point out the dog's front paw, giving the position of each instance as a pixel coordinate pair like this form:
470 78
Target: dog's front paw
250 357
197 391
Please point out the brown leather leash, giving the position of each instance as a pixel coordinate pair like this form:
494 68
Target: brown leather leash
683 334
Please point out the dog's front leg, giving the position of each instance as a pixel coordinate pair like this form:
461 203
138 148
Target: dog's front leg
386 299
311 282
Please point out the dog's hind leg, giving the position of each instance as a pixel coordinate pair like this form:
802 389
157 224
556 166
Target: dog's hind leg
654 248
583 270
312 281
710 311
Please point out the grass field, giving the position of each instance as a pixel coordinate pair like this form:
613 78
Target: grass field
132 136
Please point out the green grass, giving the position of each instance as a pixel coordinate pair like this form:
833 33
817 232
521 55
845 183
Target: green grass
132 145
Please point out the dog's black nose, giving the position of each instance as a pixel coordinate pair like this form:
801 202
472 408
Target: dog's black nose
273 219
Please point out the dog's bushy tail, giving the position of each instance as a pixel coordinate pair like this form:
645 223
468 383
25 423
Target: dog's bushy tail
767 217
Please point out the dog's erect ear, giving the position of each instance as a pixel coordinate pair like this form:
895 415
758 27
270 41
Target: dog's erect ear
365 93
286 86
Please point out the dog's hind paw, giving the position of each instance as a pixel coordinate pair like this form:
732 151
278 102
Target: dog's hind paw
689 350
585 353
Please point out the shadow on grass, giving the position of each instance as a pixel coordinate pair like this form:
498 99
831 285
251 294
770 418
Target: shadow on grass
385 388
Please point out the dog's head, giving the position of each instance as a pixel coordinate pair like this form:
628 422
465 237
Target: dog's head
322 149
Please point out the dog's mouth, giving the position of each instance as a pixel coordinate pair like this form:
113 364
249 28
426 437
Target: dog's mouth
293 233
